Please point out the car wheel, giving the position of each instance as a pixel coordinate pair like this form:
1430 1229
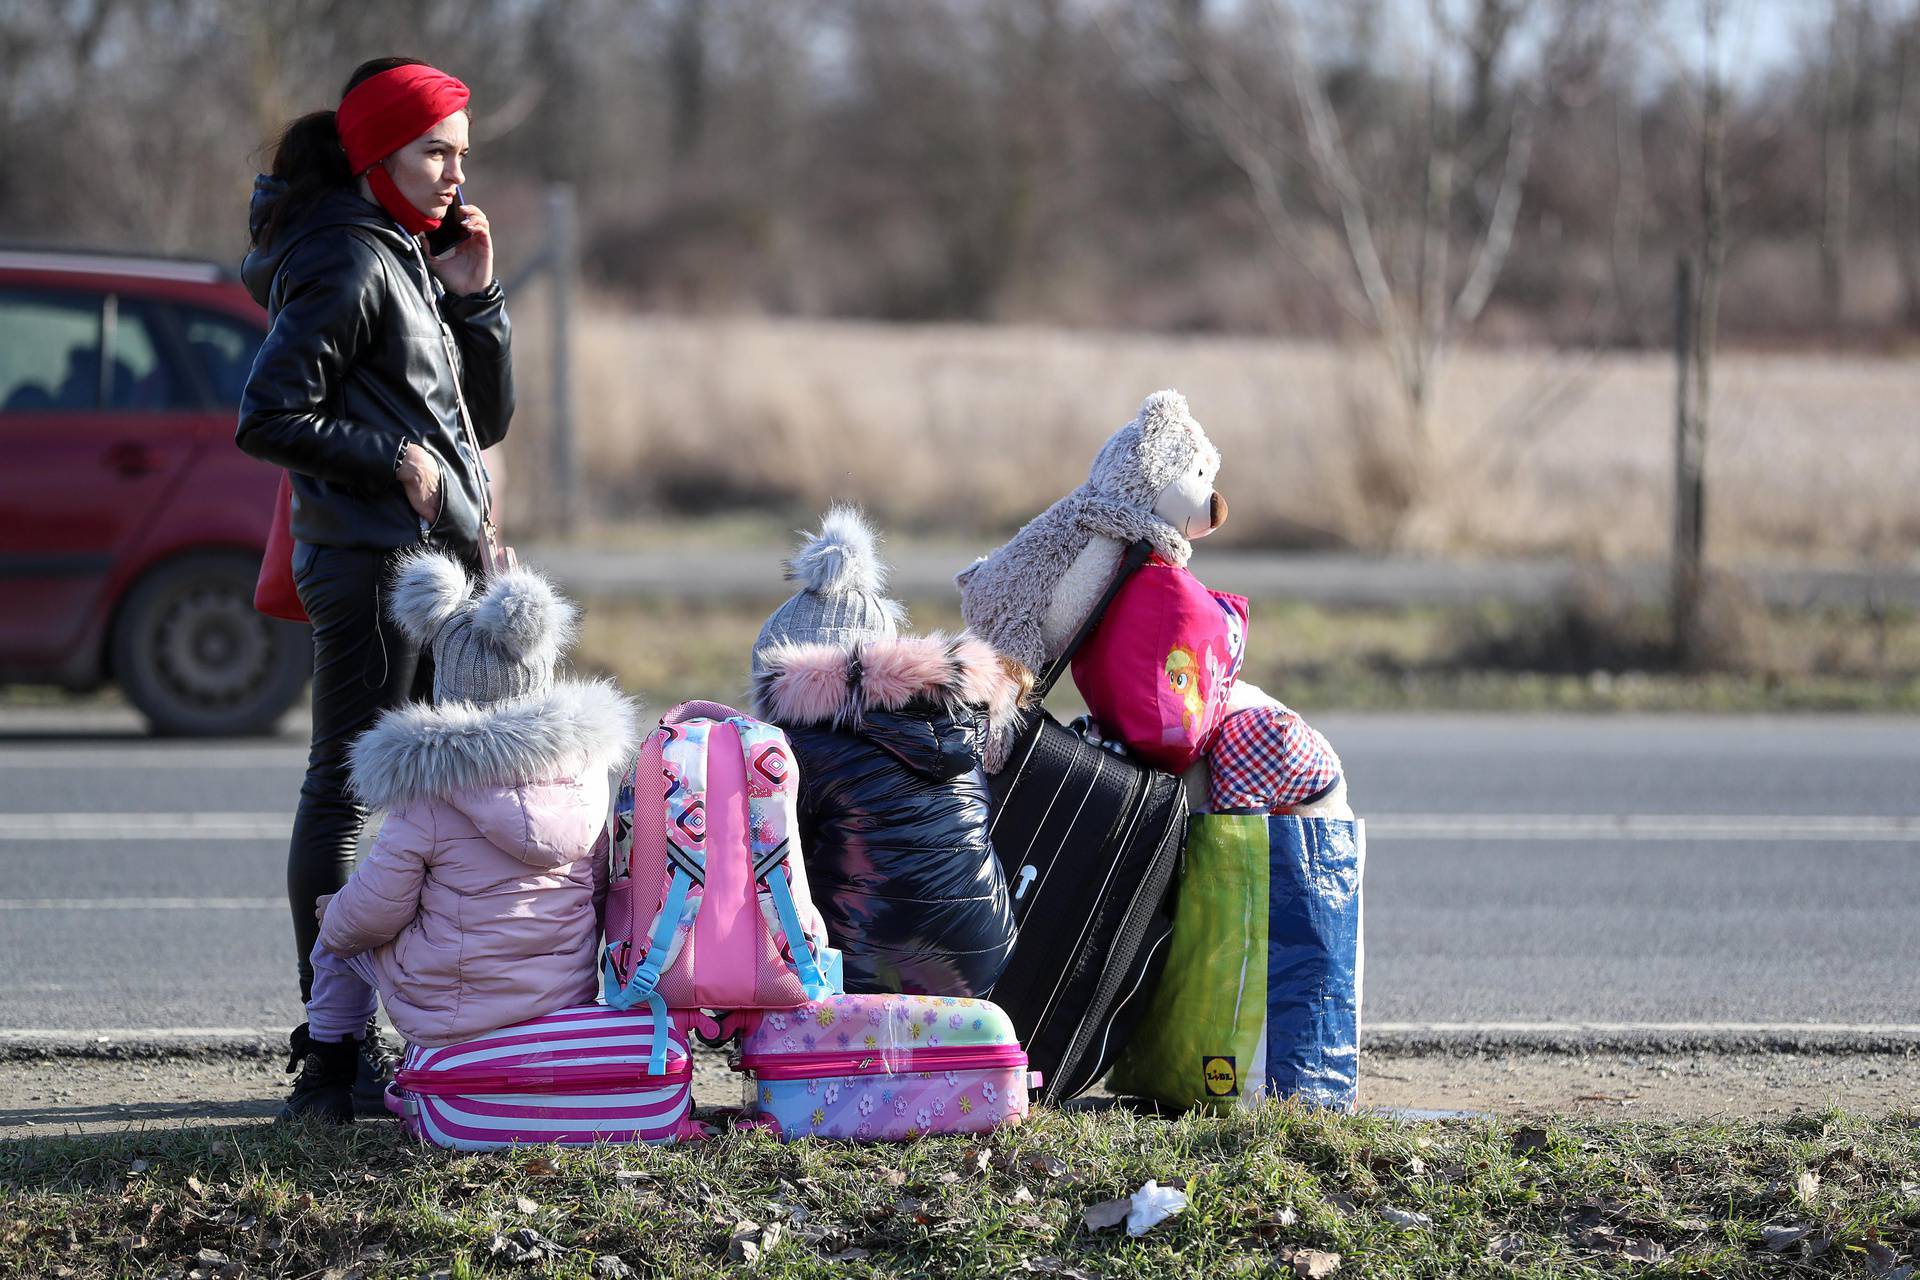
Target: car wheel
190 651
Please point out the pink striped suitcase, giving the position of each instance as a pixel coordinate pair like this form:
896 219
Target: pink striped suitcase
878 1068
574 1077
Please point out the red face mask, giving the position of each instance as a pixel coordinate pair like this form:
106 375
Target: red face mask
384 113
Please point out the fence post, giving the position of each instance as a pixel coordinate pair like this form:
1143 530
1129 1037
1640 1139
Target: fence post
562 266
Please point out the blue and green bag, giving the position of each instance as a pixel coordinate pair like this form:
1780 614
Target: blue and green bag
1261 994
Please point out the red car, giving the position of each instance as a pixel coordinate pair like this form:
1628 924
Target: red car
131 527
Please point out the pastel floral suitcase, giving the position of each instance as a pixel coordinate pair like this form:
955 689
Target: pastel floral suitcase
885 1068
577 1076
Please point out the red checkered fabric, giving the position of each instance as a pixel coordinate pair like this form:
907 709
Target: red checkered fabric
1268 759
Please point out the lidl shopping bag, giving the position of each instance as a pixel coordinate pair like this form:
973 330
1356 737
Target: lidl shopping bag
1261 994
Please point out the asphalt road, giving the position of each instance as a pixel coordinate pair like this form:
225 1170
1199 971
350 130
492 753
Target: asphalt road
1521 870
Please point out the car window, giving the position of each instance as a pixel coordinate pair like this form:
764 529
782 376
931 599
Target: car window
225 348
49 352
141 379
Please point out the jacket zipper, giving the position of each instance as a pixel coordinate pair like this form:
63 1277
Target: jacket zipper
807 1066
461 1080
459 396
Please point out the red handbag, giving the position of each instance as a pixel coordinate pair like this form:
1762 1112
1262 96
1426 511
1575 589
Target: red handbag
274 593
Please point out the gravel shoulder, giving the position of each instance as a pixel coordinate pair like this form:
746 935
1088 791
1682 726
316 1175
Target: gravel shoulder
44 1097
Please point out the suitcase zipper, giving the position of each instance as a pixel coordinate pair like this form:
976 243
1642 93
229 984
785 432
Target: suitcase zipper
462 1080
807 1066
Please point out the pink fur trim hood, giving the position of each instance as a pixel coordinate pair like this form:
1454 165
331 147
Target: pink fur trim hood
811 684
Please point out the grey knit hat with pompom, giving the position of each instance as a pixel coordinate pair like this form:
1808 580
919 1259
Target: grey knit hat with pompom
842 583
502 642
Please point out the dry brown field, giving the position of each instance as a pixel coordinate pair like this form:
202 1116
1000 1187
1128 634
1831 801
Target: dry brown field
975 429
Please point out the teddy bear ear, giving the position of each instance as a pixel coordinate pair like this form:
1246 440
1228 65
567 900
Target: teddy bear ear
1164 406
428 589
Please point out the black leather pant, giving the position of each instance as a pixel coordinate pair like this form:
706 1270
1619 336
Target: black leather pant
362 665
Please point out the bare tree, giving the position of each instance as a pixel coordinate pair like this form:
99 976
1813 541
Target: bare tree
1849 25
1417 266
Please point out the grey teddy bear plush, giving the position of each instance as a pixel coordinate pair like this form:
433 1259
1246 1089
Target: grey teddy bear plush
1153 479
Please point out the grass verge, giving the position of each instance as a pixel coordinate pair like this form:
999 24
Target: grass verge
1274 1192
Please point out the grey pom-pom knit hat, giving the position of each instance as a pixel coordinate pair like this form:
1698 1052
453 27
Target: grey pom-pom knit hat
842 589
503 642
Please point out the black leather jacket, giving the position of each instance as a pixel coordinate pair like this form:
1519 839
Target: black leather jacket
355 365
893 812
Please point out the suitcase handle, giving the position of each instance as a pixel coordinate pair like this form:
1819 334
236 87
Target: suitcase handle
1136 555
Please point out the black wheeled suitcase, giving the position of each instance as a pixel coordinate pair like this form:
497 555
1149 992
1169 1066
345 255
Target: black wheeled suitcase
1089 840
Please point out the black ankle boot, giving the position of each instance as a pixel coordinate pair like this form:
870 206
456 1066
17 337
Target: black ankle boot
373 1073
324 1089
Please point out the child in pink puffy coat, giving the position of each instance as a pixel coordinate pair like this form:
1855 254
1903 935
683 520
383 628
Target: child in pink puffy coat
479 903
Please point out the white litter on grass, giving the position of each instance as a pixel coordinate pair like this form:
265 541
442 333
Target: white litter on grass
1153 1204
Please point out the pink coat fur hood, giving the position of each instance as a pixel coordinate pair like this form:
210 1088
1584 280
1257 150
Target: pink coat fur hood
479 901
824 684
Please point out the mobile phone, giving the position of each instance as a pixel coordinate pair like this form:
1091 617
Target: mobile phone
451 230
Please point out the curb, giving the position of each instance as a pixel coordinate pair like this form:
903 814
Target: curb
1385 1042
1441 1041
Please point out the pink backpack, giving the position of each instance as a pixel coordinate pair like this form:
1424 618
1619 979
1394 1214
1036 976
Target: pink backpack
707 906
1159 669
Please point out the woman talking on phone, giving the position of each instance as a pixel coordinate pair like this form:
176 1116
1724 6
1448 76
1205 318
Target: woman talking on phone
385 373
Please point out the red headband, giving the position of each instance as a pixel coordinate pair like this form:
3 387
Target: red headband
384 113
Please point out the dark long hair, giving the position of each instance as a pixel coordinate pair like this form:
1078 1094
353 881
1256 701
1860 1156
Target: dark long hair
310 159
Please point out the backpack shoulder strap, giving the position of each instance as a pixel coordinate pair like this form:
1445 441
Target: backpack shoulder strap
1131 559
675 761
771 823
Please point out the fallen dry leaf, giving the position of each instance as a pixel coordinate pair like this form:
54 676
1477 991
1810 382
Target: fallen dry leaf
1806 1188
1311 1264
744 1244
1779 1239
1108 1214
1599 1240
525 1205
611 1266
1506 1248
1050 1266
976 1161
1406 1220
894 1178
852 1254
1645 1251
1045 1166
541 1167
523 1247
138 1166
1022 1196
195 1186
1528 1139
1690 1224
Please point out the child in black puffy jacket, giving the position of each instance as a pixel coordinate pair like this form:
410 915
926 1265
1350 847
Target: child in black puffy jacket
890 732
